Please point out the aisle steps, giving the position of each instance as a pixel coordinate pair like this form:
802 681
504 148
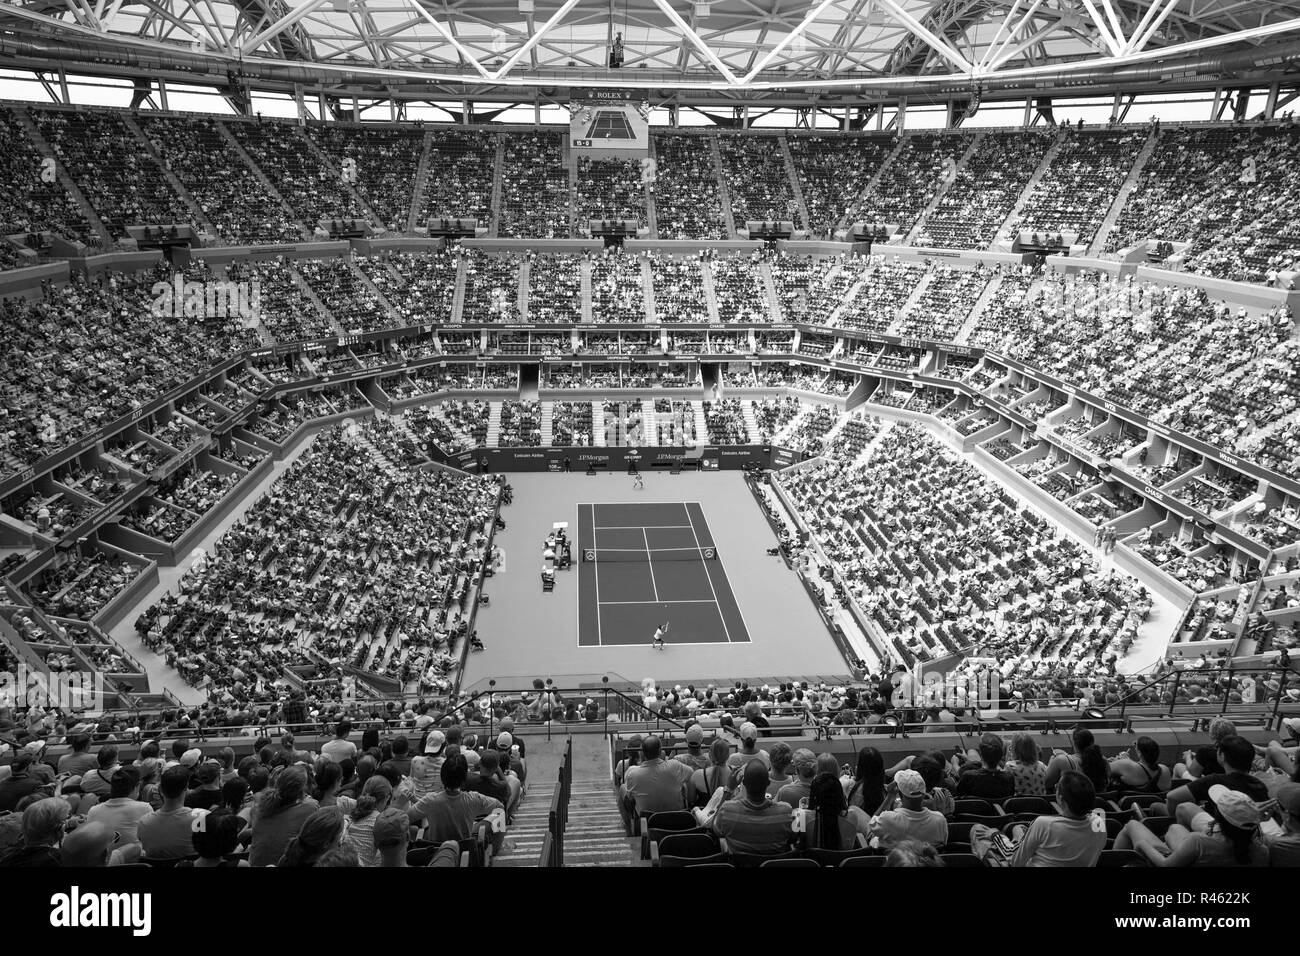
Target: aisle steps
548 417
494 424
1121 198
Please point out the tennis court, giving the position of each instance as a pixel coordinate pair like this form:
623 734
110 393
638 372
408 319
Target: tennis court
641 564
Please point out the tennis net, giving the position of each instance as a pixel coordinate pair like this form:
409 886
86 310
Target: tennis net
598 555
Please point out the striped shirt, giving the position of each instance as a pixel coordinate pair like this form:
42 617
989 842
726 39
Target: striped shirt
760 828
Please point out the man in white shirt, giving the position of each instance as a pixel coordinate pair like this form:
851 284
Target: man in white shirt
911 821
340 748
121 812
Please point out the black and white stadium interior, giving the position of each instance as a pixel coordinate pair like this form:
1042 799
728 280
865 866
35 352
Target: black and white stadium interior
650 434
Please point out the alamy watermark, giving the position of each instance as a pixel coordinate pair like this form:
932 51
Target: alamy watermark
240 300
68 690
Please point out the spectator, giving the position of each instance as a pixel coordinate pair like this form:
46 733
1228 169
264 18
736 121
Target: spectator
1237 755
364 813
749 750
165 833
781 756
655 784
452 813
321 832
43 823
1027 769
426 770
751 822
208 792
340 748
278 814
866 790
21 783
97 781
805 768
913 853
216 839
1284 847
1232 839
1075 838
1087 759
79 761
910 820
987 780
694 757
122 812
831 823
706 781
1140 769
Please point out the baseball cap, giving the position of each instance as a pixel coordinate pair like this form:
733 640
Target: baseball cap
1288 798
910 783
748 731
472 759
34 748
1292 724
191 757
1235 807
504 741
434 742
695 734
390 829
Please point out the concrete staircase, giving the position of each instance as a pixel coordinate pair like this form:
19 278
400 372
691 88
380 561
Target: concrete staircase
710 293
598 424
177 186
65 179
310 293
571 166
494 424
649 423
769 290
701 424
417 188
527 832
595 835
458 297
497 162
794 182
651 215
751 422
584 282
332 169
723 192
988 295
1121 198
648 292
521 292
910 304
1002 244
871 184
943 190
389 311
547 418
261 177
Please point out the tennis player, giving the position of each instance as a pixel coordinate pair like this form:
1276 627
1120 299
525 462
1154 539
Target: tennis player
660 633
638 481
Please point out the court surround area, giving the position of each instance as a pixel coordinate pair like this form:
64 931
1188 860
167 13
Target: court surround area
740 615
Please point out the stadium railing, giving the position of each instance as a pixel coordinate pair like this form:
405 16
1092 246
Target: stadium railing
557 817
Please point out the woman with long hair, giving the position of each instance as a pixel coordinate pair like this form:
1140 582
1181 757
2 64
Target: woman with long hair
866 790
831 824
1089 762
1027 767
328 779
279 812
321 832
361 830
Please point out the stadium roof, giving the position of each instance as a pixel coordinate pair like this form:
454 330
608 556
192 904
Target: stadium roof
729 47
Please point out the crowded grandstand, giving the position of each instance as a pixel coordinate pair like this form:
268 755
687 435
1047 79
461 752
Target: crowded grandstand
867 436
